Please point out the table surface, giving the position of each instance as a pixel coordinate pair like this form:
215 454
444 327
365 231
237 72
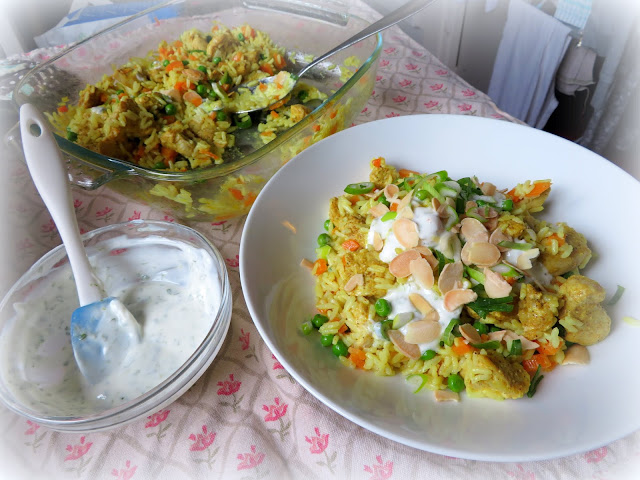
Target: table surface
246 417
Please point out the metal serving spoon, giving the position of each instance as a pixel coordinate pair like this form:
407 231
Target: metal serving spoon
405 11
102 329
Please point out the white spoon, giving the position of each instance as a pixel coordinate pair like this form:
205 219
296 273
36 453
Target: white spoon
102 329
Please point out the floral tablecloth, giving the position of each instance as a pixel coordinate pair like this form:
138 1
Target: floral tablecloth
246 417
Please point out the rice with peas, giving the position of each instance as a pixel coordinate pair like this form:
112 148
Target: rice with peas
453 283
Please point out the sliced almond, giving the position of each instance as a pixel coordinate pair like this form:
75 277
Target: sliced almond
491 224
405 212
483 254
469 205
435 203
400 265
377 242
499 236
498 336
375 194
405 201
428 255
576 355
378 210
473 230
422 331
446 396
495 285
306 264
524 259
406 231
458 297
422 272
490 213
469 333
418 301
450 277
409 349
488 188
524 341
355 281
391 191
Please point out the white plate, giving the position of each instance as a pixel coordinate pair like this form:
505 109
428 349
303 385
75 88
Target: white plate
576 408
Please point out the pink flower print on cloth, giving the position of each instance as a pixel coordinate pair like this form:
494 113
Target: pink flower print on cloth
278 366
441 72
468 93
400 99
104 214
380 470
275 412
135 216
233 262
155 420
412 67
37 438
202 442
229 388
522 474
77 454
597 455
125 473
252 461
245 344
319 444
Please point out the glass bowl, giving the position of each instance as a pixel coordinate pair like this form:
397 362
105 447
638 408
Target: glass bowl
36 362
227 190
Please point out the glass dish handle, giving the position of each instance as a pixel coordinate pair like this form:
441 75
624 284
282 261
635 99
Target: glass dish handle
80 175
330 11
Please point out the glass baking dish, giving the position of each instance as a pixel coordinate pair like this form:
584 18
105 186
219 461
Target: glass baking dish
304 29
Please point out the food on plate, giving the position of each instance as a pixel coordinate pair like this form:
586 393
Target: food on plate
173 109
454 284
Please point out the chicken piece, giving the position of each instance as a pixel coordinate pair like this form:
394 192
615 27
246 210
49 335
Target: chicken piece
508 379
556 265
383 175
221 39
352 226
132 124
110 144
129 74
194 39
537 311
172 137
203 126
298 112
583 310
151 101
194 76
357 262
90 97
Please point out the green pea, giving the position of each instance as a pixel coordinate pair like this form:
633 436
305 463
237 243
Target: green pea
159 164
302 95
507 205
383 307
455 383
318 320
202 68
482 328
72 136
165 63
340 349
241 37
428 355
326 340
221 116
421 194
202 90
324 239
327 225
170 109
306 328
185 62
216 60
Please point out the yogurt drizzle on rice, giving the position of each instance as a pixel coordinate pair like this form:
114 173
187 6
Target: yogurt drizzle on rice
455 282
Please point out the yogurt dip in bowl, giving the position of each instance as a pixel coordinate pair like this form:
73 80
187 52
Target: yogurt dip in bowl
170 277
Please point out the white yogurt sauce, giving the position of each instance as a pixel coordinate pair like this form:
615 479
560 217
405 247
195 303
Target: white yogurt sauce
171 289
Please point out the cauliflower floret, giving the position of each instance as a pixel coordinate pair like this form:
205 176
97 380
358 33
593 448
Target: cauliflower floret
494 376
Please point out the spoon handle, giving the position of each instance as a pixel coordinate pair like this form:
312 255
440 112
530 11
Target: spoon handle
49 175
408 9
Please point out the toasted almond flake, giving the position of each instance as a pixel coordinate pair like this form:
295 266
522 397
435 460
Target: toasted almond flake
422 331
406 231
353 282
524 259
458 297
400 265
435 203
377 242
483 254
409 349
378 210
473 230
422 304
405 201
446 396
491 224
499 236
470 333
428 255
391 191
469 205
491 213
422 272
405 212
306 264
488 188
499 335
576 355
524 341
375 194
495 285
450 277
442 211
